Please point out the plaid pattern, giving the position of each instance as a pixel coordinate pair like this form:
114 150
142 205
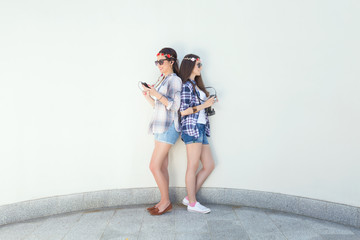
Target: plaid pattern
164 116
188 123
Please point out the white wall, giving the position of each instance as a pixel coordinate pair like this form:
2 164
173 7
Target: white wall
287 75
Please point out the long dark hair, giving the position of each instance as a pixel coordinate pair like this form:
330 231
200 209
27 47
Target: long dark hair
173 57
186 68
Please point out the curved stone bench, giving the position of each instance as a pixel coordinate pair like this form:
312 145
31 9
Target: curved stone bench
334 212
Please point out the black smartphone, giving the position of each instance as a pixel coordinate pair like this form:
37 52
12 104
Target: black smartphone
213 95
145 84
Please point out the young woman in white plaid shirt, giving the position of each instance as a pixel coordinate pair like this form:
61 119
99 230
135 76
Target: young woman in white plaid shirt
164 97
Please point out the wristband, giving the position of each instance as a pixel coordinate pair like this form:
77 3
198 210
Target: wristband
194 109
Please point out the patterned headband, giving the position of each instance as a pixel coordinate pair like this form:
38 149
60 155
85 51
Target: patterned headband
192 59
166 55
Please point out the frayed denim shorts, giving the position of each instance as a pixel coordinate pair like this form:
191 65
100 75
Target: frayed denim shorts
201 139
169 137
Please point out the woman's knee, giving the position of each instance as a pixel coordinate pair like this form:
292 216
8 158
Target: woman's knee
209 167
192 167
154 167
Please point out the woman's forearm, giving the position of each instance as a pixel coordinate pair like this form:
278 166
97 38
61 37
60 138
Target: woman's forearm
162 99
192 110
150 100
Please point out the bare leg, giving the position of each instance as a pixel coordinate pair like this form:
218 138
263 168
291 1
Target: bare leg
158 158
193 151
164 168
165 172
208 166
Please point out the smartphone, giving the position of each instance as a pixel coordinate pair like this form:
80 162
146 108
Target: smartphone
145 84
213 95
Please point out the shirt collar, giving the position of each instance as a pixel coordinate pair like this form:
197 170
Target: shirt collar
193 81
169 75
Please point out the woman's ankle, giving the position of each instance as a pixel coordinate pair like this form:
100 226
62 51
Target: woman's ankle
192 204
166 201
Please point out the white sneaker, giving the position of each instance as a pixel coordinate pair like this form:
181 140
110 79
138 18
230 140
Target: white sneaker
185 201
198 208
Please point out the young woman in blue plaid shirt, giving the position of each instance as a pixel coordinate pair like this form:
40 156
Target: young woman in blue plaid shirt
164 97
195 128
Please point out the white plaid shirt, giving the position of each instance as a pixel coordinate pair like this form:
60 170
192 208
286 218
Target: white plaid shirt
164 116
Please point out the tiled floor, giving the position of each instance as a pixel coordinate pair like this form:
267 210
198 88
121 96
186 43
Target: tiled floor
224 222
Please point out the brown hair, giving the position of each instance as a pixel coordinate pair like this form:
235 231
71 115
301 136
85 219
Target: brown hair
173 58
186 68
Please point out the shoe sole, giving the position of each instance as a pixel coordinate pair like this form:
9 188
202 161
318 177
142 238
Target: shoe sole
162 213
189 210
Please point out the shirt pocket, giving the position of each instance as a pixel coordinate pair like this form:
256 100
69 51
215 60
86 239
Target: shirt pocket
163 89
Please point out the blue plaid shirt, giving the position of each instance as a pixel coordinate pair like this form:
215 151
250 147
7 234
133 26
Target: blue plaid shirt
188 122
164 116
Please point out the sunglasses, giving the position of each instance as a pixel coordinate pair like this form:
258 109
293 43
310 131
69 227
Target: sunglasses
160 62
199 65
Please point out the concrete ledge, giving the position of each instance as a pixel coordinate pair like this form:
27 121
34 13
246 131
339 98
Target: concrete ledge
334 212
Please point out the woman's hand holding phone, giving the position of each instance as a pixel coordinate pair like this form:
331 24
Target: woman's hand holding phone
145 84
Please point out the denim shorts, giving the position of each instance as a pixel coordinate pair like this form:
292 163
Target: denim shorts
201 139
170 136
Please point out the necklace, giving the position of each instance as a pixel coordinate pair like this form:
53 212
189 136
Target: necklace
160 80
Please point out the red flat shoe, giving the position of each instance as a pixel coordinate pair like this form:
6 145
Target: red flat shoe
156 210
151 208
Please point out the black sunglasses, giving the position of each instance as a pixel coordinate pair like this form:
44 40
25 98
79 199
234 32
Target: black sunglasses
160 62
199 65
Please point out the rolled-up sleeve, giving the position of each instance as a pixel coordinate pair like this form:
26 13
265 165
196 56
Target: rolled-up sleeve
185 98
174 94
